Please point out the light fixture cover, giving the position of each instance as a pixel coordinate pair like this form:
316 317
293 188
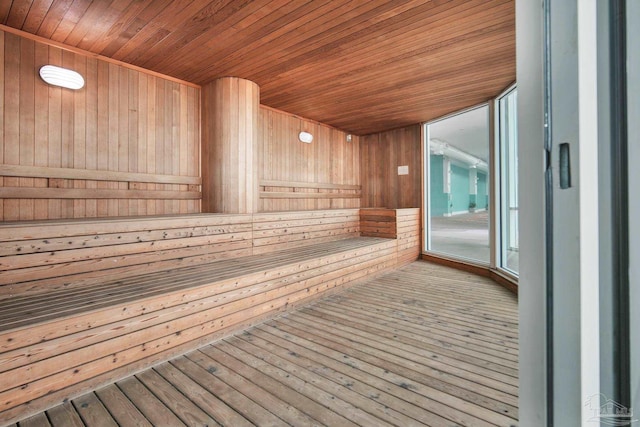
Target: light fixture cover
305 137
63 77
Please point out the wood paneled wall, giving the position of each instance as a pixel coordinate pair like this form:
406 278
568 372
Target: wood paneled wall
128 143
297 176
380 156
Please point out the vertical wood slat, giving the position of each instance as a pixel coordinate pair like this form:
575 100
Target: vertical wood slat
79 135
91 148
67 133
11 118
54 133
41 129
114 123
27 119
380 155
328 159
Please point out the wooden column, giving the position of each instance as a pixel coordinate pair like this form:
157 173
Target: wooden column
229 146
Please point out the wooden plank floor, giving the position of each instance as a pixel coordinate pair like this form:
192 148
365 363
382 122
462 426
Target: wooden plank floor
423 345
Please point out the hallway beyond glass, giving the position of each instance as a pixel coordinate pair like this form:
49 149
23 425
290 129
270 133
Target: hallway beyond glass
471 171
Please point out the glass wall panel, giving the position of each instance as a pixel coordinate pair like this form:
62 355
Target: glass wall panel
508 144
459 185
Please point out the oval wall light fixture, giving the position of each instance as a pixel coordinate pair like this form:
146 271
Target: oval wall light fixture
62 77
305 137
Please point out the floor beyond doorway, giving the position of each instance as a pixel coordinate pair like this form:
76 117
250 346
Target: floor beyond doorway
466 236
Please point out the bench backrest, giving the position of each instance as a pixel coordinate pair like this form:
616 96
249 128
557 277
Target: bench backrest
281 230
37 256
53 253
400 224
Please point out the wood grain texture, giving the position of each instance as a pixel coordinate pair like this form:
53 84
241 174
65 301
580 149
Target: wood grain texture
83 195
95 175
400 224
96 248
365 67
499 277
408 235
297 176
281 230
113 135
84 301
422 345
230 146
380 156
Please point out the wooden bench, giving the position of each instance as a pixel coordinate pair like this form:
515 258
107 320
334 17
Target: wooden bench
86 302
400 224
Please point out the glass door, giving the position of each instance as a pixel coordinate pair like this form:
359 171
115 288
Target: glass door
508 178
458 185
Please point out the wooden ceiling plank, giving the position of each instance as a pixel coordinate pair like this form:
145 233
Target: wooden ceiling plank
419 50
133 24
379 82
379 120
318 105
96 20
54 16
387 113
5 7
306 32
340 35
260 42
182 24
396 44
402 103
153 13
361 66
479 90
364 37
211 16
376 91
449 82
155 17
235 35
320 44
71 18
113 18
36 15
18 13
247 31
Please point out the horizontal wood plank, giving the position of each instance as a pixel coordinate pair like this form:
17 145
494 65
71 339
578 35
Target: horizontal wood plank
80 193
83 298
303 195
297 184
23 171
344 358
12 231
